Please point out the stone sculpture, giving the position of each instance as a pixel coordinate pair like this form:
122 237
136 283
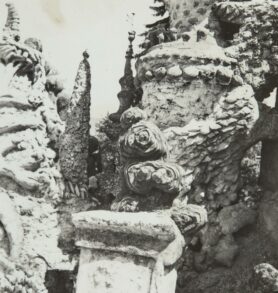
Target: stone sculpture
181 146
74 145
208 107
30 179
129 94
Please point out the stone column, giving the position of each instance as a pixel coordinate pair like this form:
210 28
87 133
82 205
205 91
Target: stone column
127 252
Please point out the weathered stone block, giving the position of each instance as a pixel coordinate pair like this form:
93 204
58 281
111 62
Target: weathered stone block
139 248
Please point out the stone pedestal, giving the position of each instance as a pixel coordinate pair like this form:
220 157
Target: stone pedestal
127 252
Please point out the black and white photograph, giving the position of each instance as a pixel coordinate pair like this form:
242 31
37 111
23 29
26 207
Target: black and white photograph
138 146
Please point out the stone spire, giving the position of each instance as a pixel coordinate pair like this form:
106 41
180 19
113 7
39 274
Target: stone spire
74 144
127 95
12 23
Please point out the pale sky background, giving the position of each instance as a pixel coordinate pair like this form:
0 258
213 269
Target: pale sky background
68 27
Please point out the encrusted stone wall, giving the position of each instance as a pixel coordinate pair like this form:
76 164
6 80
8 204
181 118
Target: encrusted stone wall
185 14
185 82
207 109
180 154
31 183
253 40
29 179
204 92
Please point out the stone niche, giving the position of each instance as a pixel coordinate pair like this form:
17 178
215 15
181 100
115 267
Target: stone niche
126 252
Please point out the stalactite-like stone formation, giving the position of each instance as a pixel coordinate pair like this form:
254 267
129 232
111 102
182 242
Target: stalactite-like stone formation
74 145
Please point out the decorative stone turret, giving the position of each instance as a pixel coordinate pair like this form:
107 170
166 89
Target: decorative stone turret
129 95
74 143
204 117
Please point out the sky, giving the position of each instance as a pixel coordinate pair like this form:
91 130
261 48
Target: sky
68 27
